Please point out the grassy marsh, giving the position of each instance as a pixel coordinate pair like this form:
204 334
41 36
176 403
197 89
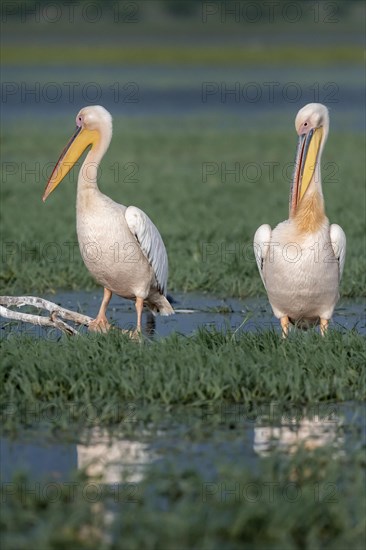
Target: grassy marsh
106 371
172 160
158 162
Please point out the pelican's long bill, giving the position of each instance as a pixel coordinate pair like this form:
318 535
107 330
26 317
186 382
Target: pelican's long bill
76 146
306 156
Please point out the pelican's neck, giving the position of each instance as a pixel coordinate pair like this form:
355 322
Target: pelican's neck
88 175
309 214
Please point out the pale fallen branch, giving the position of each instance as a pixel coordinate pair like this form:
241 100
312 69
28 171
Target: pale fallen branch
51 321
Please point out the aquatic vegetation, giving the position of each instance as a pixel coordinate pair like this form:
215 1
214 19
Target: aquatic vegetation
108 371
310 499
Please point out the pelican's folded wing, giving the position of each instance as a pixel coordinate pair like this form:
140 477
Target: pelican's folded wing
150 242
262 239
338 240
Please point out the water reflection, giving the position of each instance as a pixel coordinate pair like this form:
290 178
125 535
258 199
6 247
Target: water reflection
109 459
308 434
112 457
113 460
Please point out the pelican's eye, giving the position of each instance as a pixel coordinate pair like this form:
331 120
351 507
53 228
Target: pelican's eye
305 123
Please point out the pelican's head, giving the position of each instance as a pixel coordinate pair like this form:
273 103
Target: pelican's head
94 117
312 126
93 126
312 117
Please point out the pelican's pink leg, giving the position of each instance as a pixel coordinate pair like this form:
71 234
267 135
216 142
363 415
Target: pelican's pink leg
285 326
139 307
323 326
100 323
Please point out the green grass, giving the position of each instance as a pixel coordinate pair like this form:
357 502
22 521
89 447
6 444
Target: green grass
106 371
207 226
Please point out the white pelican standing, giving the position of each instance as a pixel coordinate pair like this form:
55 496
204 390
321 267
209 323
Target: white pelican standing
120 246
301 261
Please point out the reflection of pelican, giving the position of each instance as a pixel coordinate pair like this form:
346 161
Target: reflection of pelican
307 433
113 460
116 463
120 246
301 260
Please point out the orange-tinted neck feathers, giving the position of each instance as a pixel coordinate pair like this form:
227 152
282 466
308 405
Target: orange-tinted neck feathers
310 214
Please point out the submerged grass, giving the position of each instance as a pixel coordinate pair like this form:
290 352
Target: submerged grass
233 508
107 371
310 499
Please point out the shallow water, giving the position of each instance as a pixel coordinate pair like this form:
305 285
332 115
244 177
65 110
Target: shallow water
204 440
192 312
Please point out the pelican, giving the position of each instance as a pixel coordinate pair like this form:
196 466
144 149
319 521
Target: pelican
120 246
301 260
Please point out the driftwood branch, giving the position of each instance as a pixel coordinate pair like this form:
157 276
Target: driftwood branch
41 320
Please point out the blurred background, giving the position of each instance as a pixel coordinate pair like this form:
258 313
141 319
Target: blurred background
203 96
182 57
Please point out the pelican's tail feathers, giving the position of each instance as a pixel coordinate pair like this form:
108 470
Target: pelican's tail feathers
158 304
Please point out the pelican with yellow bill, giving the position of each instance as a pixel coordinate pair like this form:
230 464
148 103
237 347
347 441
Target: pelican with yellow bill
301 260
129 256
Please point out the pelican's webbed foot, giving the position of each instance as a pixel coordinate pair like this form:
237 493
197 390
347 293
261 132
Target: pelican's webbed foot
100 324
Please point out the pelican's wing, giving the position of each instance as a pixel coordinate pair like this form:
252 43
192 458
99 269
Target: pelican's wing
262 239
150 242
338 240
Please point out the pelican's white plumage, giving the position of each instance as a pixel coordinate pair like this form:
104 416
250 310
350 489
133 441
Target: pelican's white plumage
301 260
338 240
151 244
120 246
